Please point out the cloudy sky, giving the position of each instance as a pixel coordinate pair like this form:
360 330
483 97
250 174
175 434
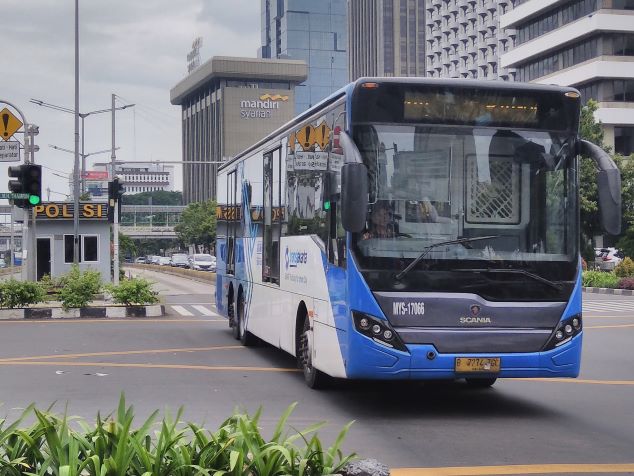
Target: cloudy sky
136 49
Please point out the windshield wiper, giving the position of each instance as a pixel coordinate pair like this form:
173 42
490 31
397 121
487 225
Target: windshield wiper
427 249
536 277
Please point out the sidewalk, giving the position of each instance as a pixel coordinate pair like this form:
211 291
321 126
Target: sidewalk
618 292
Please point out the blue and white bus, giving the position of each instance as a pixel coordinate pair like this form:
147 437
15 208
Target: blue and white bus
414 229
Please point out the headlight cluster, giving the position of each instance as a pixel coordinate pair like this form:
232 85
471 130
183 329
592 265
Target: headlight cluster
564 332
378 330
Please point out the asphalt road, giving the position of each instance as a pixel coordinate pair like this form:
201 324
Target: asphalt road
189 358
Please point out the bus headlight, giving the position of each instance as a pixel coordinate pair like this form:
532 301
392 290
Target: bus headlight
379 330
564 332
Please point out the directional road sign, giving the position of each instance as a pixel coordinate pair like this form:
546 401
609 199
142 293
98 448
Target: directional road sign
9 124
14 196
10 151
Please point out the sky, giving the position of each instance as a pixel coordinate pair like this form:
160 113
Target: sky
136 49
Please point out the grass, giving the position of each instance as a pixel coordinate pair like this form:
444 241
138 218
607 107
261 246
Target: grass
59 445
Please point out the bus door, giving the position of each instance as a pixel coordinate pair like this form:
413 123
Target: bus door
232 222
273 216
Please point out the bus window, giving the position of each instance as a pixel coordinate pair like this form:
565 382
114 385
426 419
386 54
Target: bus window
272 217
232 222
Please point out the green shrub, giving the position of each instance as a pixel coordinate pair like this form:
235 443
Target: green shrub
626 283
78 288
600 279
57 445
625 268
14 293
135 291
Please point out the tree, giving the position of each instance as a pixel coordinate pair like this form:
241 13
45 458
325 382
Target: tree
591 130
127 245
159 197
198 224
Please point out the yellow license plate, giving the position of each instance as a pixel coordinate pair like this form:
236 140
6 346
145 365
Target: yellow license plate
477 364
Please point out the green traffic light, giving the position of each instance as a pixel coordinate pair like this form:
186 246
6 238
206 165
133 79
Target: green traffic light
327 205
34 199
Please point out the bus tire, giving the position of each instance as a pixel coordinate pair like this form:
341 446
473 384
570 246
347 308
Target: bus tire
246 338
481 382
314 378
233 321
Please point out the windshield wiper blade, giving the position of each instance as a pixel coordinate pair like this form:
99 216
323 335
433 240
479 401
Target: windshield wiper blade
534 276
427 249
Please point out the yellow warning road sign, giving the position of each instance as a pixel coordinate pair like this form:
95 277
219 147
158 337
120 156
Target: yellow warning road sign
322 135
9 124
309 136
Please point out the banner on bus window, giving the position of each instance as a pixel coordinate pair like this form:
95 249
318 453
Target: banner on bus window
234 213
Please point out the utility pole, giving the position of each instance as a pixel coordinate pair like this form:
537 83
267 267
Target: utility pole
76 169
115 225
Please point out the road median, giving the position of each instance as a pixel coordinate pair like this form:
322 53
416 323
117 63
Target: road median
203 276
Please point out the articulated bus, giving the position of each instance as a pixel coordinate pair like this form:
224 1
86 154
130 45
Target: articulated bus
410 228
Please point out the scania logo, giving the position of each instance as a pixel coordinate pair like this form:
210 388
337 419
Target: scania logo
475 310
475 320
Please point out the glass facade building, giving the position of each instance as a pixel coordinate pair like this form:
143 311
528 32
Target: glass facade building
311 31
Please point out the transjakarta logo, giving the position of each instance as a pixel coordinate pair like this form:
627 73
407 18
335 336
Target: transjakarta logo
261 109
295 258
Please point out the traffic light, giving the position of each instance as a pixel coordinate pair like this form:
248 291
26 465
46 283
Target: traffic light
115 191
29 182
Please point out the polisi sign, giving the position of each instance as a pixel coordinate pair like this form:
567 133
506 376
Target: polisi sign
64 211
261 108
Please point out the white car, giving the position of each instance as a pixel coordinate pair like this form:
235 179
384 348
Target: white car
164 261
608 258
202 262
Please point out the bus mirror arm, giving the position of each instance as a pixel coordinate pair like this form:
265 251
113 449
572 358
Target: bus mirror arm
609 185
354 187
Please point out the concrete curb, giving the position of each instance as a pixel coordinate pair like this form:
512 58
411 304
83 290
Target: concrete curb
618 292
200 276
97 312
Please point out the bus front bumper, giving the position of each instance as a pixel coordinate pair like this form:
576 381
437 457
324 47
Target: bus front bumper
423 362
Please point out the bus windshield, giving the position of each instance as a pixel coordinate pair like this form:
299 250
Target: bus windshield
505 200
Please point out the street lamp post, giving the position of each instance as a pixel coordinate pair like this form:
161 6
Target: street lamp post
82 116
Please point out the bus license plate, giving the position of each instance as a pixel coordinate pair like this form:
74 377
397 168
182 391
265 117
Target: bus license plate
476 364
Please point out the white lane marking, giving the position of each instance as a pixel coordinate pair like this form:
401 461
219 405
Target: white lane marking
611 306
182 311
205 311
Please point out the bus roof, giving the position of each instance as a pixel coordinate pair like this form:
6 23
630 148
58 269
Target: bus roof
453 82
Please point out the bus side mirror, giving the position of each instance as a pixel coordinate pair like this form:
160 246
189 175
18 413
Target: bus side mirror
354 186
354 197
609 184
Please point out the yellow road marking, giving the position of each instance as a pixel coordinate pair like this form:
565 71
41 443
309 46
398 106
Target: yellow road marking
515 469
123 352
152 366
105 320
578 381
613 326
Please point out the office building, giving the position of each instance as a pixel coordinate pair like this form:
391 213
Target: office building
464 39
313 32
228 104
139 178
386 38
588 44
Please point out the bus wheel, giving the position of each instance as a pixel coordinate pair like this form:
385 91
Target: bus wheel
246 338
481 382
233 320
314 378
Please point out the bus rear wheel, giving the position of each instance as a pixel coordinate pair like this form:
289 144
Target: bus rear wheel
314 378
481 382
246 338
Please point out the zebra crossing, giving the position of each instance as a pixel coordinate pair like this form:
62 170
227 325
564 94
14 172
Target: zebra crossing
193 310
620 306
